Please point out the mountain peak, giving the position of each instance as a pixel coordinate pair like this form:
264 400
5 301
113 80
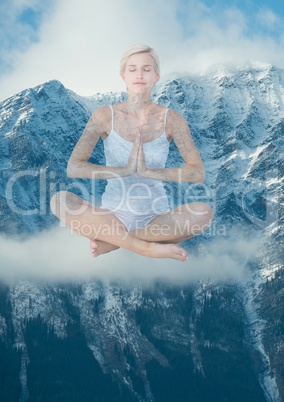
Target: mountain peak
236 117
229 69
50 85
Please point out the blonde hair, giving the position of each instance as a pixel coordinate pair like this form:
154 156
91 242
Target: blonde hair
140 49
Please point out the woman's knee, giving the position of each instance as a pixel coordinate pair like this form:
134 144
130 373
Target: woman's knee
64 200
201 211
55 202
208 211
200 208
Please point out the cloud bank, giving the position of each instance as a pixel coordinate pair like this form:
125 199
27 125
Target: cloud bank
80 43
58 255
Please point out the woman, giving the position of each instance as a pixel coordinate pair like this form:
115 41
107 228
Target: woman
135 213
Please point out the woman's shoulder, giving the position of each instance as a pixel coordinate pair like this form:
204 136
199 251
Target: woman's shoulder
101 119
102 113
174 117
171 113
176 124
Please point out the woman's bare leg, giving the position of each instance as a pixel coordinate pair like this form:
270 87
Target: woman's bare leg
176 226
180 224
95 223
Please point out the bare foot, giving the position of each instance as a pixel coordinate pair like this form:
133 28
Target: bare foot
99 247
170 250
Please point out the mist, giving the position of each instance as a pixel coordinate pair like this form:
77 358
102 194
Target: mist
59 255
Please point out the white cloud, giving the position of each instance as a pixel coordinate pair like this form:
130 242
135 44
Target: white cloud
57 255
268 18
80 43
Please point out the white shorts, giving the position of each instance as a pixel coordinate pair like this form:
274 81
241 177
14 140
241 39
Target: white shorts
132 221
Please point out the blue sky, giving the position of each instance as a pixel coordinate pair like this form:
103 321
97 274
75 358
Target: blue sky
263 17
80 42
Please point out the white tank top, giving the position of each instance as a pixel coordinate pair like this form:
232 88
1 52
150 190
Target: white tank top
135 193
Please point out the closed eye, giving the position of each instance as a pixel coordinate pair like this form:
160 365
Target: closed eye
146 68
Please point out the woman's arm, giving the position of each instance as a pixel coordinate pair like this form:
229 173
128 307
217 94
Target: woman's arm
193 170
78 165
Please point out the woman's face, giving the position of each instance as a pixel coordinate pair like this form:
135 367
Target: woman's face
139 75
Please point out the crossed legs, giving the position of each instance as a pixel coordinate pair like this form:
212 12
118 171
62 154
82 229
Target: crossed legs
158 239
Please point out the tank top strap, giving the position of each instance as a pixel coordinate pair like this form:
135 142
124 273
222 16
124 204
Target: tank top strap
111 116
165 119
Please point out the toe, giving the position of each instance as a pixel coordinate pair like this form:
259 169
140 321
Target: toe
185 256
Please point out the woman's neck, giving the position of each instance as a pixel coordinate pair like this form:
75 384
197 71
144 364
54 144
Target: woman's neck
138 110
138 104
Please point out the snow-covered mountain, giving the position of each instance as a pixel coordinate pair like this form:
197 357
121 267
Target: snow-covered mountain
106 341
